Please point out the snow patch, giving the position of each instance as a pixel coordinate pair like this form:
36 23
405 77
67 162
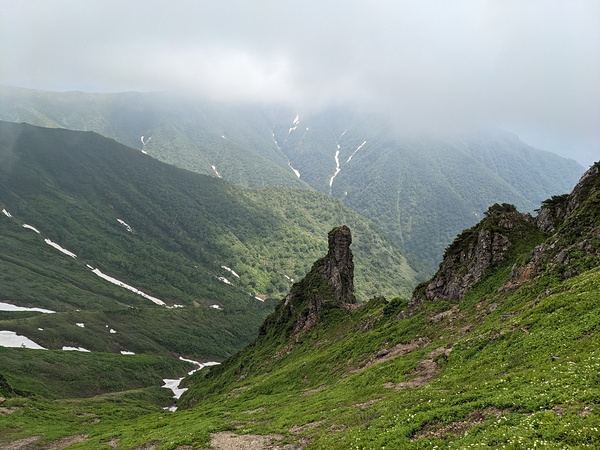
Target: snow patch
41 329
215 306
173 384
124 352
80 325
29 227
297 172
12 339
337 166
111 331
296 120
9 307
175 306
354 152
259 299
126 286
76 349
122 222
230 271
59 248
216 171
6 213
289 279
223 136
225 280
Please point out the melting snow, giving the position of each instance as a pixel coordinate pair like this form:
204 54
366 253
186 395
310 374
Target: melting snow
275 140
230 271
58 247
215 306
126 286
337 166
297 172
354 152
122 222
12 339
111 331
216 171
76 349
173 384
30 228
41 329
9 307
124 352
225 280
80 325
6 213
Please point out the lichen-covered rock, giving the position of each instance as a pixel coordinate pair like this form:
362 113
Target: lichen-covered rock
568 227
473 252
338 265
329 284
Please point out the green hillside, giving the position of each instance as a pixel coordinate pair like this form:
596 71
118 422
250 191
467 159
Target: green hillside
179 237
510 363
178 130
421 189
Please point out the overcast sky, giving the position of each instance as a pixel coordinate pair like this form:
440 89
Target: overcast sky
532 67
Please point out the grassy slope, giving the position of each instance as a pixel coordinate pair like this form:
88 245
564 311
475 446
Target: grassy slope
498 370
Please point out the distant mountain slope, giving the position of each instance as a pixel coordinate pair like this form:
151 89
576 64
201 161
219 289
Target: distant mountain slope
422 190
207 138
179 237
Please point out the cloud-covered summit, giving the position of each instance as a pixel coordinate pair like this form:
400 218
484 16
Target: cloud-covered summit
532 67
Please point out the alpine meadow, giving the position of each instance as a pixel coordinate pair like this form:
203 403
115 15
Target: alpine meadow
326 226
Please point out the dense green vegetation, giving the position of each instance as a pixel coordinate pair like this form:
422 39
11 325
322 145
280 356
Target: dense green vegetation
507 367
422 190
74 187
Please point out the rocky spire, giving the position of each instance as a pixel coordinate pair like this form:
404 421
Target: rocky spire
338 267
329 284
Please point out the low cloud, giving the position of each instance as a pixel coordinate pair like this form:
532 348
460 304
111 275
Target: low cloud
531 66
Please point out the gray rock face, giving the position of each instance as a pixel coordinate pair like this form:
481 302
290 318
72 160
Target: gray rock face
330 283
573 245
338 268
469 257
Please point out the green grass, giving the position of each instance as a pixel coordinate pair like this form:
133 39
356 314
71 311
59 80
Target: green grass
524 375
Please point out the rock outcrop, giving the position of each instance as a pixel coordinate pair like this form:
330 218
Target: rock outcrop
569 225
473 252
329 284
574 221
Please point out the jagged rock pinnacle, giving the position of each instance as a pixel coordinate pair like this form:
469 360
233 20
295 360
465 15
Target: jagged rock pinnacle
338 269
329 284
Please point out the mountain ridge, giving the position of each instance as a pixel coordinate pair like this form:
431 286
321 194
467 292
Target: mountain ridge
421 189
